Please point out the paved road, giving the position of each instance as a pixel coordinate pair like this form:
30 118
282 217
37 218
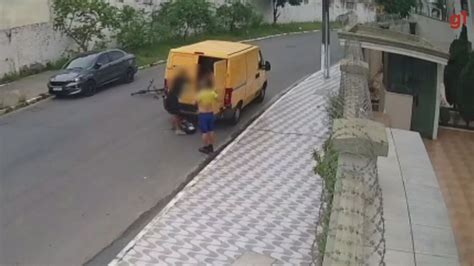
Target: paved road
75 173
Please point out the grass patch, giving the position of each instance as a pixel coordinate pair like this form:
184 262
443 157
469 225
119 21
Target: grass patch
25 72
58 64
151 54
9 77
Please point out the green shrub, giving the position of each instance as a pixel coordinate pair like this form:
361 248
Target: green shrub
84 21
326 167
9 77
465 97
235 15
58 64
400 7
134 28
458 58
161 25
182 18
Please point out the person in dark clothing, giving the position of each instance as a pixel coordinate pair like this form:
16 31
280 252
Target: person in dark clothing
172 101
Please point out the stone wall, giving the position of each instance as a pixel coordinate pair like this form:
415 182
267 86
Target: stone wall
356 226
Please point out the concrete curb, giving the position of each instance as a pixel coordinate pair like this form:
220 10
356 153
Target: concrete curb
29 102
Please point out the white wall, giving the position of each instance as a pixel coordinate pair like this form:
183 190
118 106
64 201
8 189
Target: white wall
29 45
470 23
436 31
26 35
312 11
143 4
16 13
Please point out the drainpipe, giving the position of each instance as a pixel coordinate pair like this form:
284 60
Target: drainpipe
325 46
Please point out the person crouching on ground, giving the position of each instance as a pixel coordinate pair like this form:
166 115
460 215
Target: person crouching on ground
206 100
172 102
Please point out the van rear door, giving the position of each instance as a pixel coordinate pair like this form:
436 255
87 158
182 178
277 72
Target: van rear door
220 79
189 63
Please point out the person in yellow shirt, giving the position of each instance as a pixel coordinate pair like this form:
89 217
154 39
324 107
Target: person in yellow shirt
206 100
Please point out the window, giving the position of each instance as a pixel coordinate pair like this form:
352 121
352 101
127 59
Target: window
115 55
103 59
83 62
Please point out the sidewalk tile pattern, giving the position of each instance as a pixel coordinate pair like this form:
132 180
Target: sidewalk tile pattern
452 156
259 195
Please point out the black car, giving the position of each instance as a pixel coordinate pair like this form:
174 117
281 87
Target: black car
87 72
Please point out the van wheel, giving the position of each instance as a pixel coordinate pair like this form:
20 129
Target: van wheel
236 116
261 95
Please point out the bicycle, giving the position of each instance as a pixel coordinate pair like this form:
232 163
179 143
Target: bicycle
151 89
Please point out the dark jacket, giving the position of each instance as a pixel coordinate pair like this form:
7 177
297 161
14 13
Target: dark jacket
172 99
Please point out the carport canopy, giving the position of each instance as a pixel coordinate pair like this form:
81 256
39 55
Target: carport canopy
374 38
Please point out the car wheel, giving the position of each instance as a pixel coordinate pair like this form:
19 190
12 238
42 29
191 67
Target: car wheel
261 95
90 88
237 114
129 76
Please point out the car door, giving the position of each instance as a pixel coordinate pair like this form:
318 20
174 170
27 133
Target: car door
117 64
103 72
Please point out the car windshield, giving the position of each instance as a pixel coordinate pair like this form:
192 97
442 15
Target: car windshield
82 62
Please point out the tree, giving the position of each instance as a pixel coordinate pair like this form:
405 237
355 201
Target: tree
441 5
184 17
234 15
83 20
400 7
465 97
458 51
133 28
277 4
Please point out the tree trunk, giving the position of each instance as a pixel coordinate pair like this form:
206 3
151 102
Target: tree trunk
275 17
275 12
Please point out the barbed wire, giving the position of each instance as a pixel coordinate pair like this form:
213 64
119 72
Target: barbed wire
351 189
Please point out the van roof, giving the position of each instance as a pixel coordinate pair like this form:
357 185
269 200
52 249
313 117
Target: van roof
220 49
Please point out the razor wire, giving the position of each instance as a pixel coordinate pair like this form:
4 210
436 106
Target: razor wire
351 189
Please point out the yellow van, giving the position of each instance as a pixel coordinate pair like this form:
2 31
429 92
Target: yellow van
239 75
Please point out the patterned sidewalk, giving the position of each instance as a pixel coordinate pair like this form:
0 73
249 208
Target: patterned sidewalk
259 196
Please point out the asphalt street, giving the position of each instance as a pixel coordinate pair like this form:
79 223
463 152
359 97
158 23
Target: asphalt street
75 173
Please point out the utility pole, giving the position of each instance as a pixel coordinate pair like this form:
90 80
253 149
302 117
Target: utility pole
325 45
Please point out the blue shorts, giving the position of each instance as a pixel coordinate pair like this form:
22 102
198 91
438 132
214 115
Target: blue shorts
206 122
